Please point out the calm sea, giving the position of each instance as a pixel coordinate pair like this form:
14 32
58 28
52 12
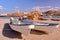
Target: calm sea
42 17
51 16
2 18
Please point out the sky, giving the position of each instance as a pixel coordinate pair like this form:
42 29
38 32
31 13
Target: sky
9 6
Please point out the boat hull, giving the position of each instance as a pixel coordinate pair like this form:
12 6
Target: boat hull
22 29
47 29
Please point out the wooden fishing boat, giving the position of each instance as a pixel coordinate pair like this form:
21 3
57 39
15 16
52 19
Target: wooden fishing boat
23 26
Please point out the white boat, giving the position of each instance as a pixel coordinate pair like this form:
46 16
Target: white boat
23 26
46 27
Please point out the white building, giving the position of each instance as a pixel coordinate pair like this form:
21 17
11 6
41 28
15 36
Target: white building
3 14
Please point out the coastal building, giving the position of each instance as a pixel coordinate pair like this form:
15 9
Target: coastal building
3 14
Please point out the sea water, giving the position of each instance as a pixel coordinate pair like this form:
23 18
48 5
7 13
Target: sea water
41 16
2 18
53 17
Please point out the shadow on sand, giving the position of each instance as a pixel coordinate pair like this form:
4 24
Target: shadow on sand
38 32
8 32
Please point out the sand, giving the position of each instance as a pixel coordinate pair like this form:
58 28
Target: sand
6 33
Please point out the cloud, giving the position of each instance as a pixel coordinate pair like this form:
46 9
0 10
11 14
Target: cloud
40 8
1 7
54 8
57 8
36 8
46 8
27 9
43 8
16 6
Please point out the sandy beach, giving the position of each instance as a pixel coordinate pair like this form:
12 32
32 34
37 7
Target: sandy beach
6 33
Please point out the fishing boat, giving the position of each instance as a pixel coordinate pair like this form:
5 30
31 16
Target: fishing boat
46 26
23 26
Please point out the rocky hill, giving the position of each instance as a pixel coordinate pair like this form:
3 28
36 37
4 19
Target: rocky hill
15 14
52 12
